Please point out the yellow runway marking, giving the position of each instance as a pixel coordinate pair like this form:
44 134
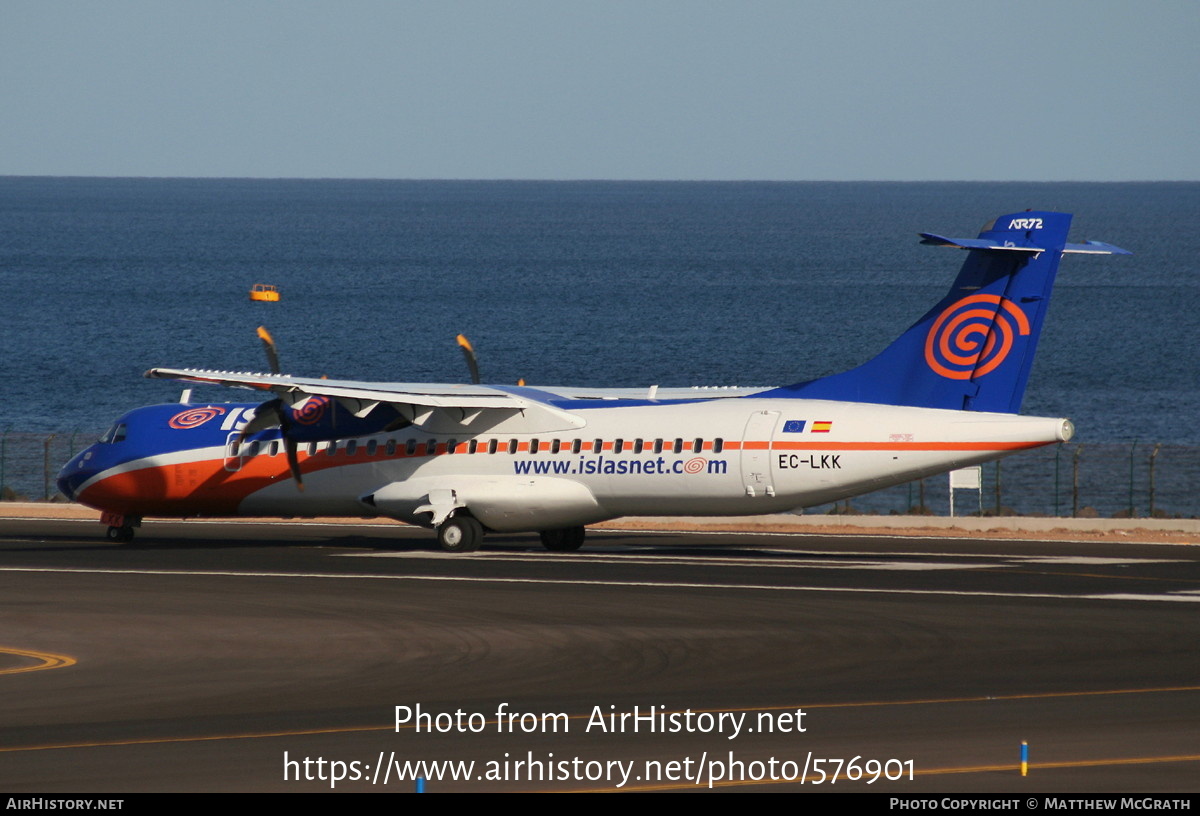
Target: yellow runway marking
49 660
206 738
979 699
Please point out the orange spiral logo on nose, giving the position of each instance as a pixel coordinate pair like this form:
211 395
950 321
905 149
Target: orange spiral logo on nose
193 417
973 336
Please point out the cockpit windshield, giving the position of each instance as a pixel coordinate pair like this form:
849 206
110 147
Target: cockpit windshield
114 434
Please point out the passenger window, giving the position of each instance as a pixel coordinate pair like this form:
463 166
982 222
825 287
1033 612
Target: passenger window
473 446
576 445
391 447
678 446
351 447
451 445
512 446
332 449
637 446
718 445
533 446
598 446
658 446
372 446
492 445
411 447
274 449
618 445
698 446
555 446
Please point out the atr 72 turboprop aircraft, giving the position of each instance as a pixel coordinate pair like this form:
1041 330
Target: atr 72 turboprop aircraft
465 459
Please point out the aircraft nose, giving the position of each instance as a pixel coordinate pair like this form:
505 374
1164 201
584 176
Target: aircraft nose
74 473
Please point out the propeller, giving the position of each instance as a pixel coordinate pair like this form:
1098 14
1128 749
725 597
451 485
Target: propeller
269 345
273 413
289 444
469 353
472 363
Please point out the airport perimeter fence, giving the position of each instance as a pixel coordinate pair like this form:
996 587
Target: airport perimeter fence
1138 479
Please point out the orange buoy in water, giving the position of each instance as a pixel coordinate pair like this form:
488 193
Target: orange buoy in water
264 291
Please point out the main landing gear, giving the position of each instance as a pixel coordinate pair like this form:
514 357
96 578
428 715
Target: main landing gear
567 539
463 533
459 534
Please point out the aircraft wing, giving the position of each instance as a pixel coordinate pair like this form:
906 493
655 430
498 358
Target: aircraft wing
439 396
361 397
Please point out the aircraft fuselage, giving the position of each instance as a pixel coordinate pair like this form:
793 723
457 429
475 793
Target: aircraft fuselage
714 457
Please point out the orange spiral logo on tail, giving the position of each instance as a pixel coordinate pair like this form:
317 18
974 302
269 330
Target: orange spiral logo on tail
973 336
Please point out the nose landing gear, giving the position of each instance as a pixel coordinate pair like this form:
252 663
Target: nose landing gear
120 527
120 534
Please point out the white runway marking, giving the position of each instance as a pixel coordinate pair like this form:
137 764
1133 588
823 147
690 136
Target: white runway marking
1133 596
605 583
801 560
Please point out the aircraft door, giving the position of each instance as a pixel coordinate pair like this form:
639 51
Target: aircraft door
757 478
233 452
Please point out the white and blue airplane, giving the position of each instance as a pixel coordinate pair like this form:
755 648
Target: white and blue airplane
469 459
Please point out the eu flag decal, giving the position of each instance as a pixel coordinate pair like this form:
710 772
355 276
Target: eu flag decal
794 426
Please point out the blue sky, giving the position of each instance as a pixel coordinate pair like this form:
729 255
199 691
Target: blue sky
918 90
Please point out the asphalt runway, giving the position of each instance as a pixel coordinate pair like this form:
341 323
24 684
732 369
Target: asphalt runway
272 657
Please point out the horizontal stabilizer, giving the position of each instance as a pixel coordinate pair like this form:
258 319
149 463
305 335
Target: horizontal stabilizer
1086 248
1094 248
974 243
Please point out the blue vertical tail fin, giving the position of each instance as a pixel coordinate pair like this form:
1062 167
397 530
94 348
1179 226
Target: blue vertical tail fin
973 351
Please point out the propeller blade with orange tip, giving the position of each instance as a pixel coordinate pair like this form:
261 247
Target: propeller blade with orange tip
469 353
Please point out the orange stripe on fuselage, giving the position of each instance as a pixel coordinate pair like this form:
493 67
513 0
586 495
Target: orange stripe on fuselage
910 446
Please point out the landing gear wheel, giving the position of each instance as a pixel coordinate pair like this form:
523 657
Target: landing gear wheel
568 539
460 534
121 534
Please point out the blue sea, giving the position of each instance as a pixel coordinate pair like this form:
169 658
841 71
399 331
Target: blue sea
591 283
